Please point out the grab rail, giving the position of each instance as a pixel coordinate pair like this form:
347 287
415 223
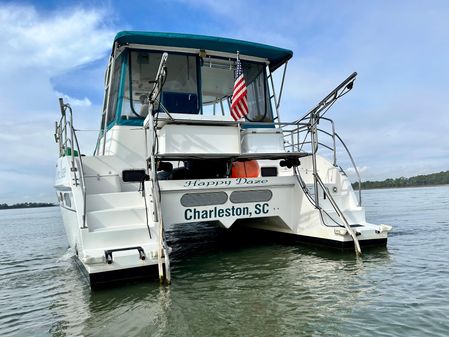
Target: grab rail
305 132
346 224
298 138
65 137
359 179
296 135
150 126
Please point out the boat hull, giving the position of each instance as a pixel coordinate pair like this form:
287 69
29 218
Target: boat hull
113 277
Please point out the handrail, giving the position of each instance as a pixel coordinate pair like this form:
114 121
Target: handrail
320 109
82 178
305 131
297 144
355 168
341 215
149 125
65 136
333 138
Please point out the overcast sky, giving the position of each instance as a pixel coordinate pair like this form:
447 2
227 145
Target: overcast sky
395 120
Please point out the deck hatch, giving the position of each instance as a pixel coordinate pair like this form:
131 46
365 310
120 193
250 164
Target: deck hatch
204 199
239 197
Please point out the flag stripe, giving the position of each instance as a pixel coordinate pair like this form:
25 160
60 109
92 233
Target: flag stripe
240 91
239 104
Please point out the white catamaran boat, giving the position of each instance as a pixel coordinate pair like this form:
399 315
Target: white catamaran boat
191 132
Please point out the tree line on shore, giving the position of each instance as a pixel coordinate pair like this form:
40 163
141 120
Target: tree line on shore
26 205
440 178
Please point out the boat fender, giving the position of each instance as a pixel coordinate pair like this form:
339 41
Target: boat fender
245 169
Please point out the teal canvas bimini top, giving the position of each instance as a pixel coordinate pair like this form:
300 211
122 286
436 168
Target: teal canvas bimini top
276 56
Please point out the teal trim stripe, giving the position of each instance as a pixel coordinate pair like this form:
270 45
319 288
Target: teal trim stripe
132 122
121 91
276 56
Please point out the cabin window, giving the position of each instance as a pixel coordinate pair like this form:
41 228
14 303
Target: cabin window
259 107
67 200
113 90
106 95
217 85
179 93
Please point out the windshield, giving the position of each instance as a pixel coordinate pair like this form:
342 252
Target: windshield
180 92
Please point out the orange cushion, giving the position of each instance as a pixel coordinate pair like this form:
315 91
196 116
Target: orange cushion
245 169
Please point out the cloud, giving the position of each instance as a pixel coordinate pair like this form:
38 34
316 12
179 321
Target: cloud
351 170
74 102
37 47
55 43
394 121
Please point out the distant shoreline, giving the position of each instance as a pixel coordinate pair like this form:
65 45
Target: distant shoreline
428 180
355 187
27 205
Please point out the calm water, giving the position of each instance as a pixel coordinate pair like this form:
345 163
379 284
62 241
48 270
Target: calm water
223 286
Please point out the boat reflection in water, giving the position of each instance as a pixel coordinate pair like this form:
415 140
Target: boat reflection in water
224 284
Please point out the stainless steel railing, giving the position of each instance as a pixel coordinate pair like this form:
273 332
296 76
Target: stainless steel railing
304 134
298 138
65 137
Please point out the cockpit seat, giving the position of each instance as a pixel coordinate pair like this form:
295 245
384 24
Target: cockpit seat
180 102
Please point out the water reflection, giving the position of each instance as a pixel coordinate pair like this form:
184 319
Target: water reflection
69 309
138 309
223 286
226 285
239 285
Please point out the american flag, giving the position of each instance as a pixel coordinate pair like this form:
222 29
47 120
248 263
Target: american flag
239 106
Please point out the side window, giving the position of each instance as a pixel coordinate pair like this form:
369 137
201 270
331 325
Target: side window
259 107
113 89
107 75
67 200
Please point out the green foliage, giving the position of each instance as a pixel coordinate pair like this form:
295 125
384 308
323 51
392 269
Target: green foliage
27 205
440 178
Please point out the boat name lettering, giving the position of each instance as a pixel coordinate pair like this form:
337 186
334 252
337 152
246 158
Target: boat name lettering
233 211
224 182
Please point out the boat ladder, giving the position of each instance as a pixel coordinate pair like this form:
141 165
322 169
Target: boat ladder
150 130
304 132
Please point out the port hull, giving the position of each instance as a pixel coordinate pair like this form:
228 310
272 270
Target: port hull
113 277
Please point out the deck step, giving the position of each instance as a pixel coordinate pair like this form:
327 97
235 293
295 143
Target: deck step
116 217
96 184
102 174
354 216
104 201
118 237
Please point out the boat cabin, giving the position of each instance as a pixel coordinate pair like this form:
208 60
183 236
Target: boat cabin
192 107
200 76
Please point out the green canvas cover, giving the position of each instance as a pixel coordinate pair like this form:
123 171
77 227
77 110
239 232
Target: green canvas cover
276 56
